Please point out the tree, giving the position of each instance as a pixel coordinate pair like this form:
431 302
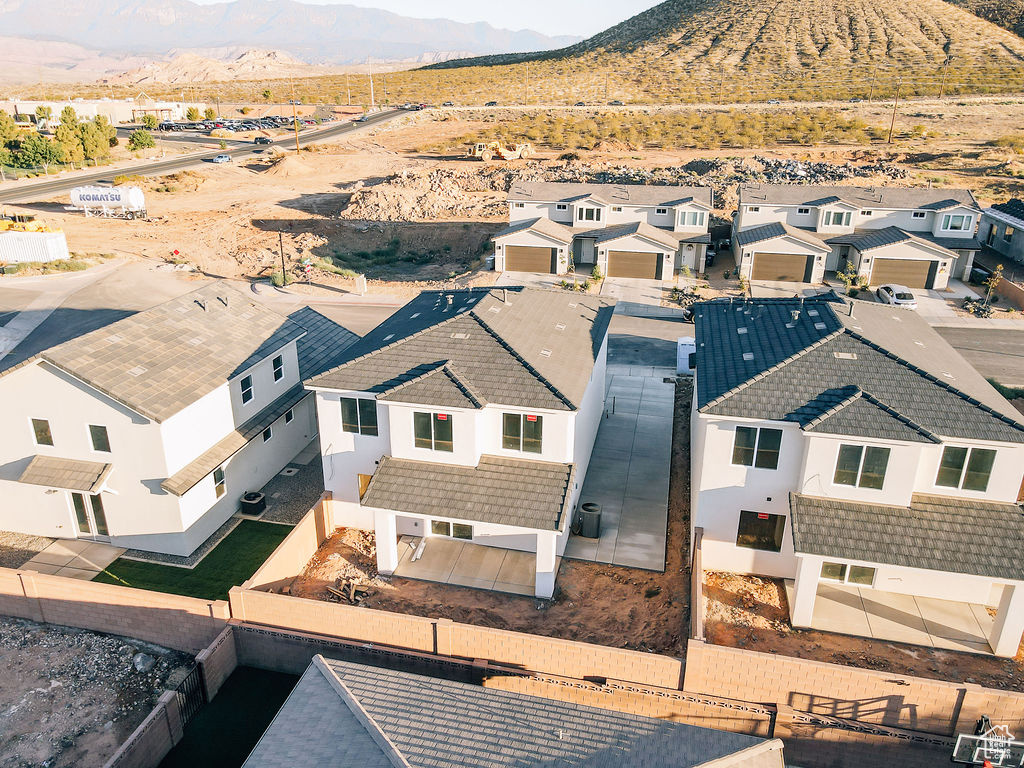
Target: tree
149 122
267 94
8 130
210 113
140 140
43 115
94 142
993 282
192 114
35 150
108 131
68 116
68 136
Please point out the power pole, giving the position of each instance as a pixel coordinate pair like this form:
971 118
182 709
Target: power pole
295 124
871 90
721 87
895 104
280 244
384 75
526 90
945 69
348 91
369 72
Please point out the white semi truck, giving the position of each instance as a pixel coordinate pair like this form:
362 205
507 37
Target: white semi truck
122 202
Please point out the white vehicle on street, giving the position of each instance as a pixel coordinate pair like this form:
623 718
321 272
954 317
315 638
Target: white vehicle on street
897 295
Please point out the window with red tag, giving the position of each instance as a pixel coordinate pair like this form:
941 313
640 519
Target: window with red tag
522 432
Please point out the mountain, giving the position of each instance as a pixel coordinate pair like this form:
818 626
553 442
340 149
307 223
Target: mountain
253 64
316 34
1008 14
54 62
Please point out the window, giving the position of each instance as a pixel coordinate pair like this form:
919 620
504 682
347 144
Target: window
617 208
247 389
661 211
966 468
861 467
918 215
957 222
522 432
218 481
803 211
866 213
99 437
561 207
433 431
41 429
753 208
589 214
754 447
860 575
455 530
288 416
837 218
691 218
94 524
267 434
278 363
359 415
1008 233
520 205
760 530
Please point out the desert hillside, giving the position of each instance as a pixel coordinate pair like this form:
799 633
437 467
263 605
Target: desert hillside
1008 14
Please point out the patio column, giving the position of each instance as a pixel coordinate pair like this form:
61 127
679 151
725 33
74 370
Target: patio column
805 590
386 533
1009 624
544 586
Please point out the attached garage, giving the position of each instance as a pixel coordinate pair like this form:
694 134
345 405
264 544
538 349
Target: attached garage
787 267
531 258
913 273
641 264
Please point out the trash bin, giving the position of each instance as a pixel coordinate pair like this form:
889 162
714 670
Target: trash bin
253 503
590 520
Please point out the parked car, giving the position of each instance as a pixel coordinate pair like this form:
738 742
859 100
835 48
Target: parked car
580 104
615 103
897 295
491 104
261 140
448 104
773 101
361 119
222 159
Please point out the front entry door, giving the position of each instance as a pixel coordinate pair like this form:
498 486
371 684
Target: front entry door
90 519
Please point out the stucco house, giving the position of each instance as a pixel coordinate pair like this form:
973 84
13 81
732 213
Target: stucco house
848 444
467 415
1002 229
625 230
146 432
916 237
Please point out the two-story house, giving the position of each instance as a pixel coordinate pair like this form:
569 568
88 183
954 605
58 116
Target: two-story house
467 415
1002 229
849 444
915 237
625 230
147 432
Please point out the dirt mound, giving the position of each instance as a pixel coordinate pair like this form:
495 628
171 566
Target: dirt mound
287 166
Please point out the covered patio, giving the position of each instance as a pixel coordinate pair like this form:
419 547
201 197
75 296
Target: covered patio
920 574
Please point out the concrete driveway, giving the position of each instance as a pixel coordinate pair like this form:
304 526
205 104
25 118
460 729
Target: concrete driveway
632 289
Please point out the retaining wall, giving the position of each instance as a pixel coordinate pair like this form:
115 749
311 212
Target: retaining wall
292 554
154 738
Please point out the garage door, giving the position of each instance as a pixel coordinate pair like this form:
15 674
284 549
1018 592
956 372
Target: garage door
530 258
913 273
788 267
635 264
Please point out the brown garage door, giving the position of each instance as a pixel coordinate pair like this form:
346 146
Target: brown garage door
913 273
530 258
635 264
789 267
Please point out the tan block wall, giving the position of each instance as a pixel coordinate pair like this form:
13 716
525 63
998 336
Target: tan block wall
218 660
1011 292
1003 707
183 623
153 739
292 554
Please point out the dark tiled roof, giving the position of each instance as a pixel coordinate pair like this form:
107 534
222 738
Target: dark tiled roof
163 359
1013 208
866 239
542 224
866 416
324 344
523 493
778 229
535 350
902 198
937 533
640 229
435 723
189 476
72 474
611 194
782 370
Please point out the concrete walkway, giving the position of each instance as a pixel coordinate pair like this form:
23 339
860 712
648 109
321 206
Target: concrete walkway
450 561
74 558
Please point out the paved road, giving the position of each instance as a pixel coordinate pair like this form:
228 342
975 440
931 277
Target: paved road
161 167
997 354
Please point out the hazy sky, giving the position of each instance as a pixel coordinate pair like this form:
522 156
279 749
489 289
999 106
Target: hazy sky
552 17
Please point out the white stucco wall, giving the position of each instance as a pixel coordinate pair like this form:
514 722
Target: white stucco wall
533 240
533 210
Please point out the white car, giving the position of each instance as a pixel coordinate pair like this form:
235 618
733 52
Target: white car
897 295
222 159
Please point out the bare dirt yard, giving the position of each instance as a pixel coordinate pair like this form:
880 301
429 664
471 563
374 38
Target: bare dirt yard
752 613
593 603
69 697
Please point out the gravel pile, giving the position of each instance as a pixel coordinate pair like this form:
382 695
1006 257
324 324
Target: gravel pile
69 697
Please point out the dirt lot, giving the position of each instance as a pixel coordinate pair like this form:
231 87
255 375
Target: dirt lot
594 603
752 613
69 697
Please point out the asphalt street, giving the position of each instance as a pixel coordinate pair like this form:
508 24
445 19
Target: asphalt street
997 354
34 191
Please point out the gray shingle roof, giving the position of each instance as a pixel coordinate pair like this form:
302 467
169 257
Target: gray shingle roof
324 344
863 197
779 229
519 492
798 371
611 194
542 224
937 533
862 414
72 474
437 723
189 476
536 350
441 386
640 229
161 360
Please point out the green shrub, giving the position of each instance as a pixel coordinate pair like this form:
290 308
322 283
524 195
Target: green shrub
279 279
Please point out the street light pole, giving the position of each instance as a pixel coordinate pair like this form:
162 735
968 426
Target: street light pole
895 104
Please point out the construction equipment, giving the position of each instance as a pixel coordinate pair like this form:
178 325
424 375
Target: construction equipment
122 202
489 150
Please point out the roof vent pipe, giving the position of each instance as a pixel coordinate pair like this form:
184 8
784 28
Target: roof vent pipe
450 299
794 315
504 296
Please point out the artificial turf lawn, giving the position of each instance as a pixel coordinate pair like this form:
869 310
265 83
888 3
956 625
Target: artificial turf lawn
230 563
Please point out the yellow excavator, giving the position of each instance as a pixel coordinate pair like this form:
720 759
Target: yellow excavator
489 150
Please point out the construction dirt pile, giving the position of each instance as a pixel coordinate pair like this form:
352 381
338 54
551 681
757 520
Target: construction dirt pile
480 191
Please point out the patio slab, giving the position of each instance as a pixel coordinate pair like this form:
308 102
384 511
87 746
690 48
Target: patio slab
465 564
74 558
